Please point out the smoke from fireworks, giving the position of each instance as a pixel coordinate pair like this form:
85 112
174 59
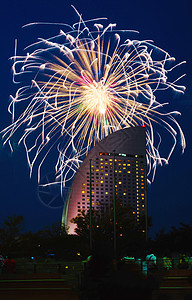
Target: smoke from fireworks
85 84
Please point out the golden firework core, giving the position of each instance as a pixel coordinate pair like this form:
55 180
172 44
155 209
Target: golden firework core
96 97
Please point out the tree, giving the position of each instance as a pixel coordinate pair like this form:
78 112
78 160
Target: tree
9 233
54 230
175 241
129 234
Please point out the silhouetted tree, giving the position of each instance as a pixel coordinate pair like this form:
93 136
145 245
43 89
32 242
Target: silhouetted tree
175 241
9 233
130 235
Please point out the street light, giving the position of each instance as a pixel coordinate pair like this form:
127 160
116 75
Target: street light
114 209
90 207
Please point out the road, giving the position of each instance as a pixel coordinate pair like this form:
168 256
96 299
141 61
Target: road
174 287
53 286
14 288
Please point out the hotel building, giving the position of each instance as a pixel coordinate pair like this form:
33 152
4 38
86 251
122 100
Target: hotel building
117 165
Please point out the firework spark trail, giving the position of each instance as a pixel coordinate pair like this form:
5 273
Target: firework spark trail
85 87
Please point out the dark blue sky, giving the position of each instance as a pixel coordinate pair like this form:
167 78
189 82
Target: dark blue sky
169 24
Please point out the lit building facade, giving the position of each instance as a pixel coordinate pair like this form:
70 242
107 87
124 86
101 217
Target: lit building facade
115 165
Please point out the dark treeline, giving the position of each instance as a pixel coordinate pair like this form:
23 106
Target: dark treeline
50 240
175 241
131 239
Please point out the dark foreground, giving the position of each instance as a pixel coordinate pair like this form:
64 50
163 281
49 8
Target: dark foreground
124 282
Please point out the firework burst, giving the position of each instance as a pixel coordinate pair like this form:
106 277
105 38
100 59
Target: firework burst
85 84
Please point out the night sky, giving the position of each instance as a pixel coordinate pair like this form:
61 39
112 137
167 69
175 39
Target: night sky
168 24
